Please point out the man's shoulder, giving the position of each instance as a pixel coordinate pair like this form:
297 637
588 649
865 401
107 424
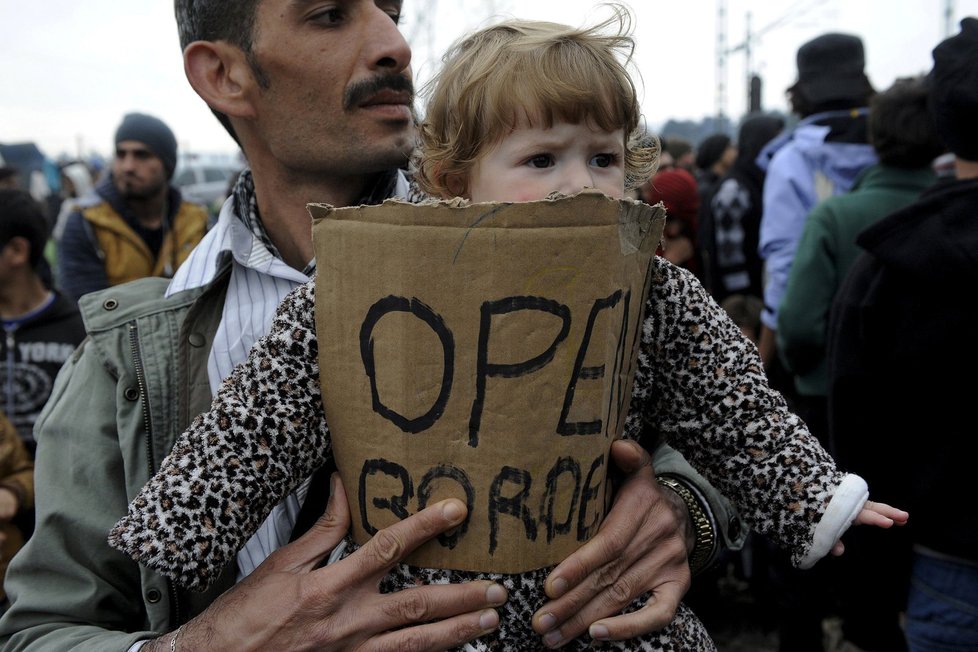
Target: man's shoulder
122 304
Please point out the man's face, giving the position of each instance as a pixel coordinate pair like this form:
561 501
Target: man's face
137 172
339 96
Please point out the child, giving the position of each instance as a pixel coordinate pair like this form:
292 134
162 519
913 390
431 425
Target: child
520 110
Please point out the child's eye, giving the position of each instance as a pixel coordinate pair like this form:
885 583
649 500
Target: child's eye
603 160
540 161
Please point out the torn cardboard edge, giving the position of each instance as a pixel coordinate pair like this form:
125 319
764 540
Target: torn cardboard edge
484 352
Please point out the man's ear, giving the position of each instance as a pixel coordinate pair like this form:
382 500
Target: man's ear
18 250
220 73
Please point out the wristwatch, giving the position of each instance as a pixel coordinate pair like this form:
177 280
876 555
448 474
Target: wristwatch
704 534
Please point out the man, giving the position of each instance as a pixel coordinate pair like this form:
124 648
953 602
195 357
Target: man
327 118
903 134
900 337
820 157
136 224
731 219
41 326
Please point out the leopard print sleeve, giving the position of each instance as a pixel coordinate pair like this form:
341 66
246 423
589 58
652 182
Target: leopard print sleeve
264 434
700 387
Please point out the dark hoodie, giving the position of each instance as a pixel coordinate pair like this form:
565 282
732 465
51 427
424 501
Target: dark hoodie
903 352
730 218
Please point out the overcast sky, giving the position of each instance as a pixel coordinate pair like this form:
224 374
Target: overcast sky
72 68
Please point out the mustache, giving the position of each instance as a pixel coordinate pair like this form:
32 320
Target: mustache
358 92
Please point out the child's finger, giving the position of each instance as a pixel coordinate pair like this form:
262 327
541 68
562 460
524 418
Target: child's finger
869 517
898 516
838 548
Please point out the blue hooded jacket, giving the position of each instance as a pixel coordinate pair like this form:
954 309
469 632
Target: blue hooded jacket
819 158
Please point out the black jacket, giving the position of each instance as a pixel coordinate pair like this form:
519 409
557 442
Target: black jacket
903 354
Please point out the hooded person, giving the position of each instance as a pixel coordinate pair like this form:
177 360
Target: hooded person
135 224
821 157
730 220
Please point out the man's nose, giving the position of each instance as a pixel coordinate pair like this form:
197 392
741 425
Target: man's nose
386 47
126 161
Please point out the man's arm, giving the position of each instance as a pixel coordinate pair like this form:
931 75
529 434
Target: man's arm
80 268
289 603
70 590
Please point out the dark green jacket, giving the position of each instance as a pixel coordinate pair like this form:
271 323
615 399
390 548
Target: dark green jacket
826 251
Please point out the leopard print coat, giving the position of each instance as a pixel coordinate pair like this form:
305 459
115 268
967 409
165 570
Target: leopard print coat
699 386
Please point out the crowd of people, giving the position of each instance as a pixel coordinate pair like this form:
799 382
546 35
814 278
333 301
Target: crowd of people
798 370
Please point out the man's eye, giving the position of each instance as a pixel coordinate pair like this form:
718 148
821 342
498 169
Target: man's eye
540 161
328 17
603 160
395 16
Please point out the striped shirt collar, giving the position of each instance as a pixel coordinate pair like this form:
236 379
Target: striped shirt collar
242 234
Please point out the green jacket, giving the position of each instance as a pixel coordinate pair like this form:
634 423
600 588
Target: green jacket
826 251
111 420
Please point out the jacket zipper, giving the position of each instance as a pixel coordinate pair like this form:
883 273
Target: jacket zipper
147 424
9 380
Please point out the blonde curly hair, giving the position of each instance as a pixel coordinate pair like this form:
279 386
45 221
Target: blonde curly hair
536 72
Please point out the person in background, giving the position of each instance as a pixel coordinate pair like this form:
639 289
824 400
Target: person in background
676 189
680 150
714 157
41 326
901 350
730 221
903 134
905 139
136 224
820 157
16 496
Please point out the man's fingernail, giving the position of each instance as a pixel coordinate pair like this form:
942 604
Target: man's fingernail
599 632
553 639
496 594
560 587
548 622
452 511
489 619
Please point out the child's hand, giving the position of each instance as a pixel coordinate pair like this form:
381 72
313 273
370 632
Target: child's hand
878 514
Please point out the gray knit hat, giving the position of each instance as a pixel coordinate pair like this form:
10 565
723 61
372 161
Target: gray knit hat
154 134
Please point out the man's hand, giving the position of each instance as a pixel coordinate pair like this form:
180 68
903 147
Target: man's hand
640 547
290 604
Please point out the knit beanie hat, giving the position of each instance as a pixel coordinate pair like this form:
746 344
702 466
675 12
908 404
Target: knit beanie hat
676 189
954 90
711 150
153 133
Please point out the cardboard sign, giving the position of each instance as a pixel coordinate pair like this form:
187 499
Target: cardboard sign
483 352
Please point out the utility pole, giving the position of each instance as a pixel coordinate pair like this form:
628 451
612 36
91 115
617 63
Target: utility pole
721 90
948 18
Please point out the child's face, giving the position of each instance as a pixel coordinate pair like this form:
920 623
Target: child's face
531 162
